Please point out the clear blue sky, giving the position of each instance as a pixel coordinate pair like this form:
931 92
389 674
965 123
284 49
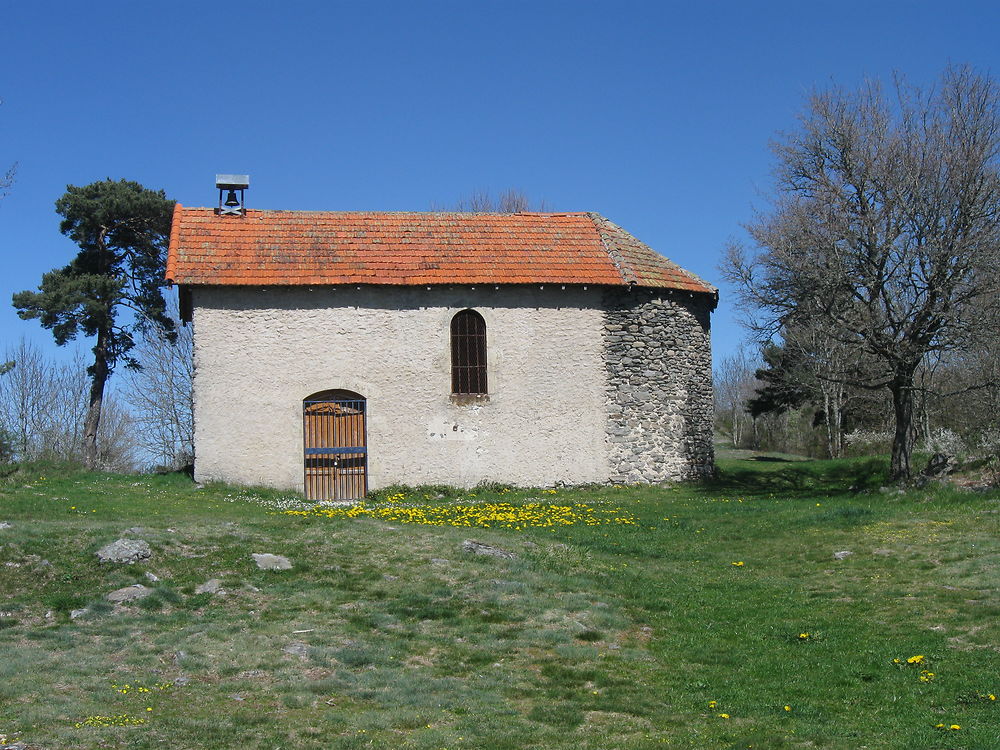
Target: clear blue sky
656 114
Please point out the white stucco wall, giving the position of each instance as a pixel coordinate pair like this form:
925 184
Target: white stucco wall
260 352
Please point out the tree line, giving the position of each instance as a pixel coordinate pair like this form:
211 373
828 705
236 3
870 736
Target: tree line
771 400
871 281
146 420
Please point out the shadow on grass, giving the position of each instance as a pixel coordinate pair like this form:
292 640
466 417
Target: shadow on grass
803 477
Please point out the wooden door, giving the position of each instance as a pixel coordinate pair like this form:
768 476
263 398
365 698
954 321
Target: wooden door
336 451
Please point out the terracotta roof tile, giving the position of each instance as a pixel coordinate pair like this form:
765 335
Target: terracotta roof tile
317 248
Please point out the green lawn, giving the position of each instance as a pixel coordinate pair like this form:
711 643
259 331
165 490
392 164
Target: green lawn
632 617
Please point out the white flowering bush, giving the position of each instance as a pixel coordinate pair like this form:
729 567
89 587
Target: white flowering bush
989 442
866 442
946 441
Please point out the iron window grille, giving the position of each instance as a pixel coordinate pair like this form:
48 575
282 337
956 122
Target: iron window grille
468 353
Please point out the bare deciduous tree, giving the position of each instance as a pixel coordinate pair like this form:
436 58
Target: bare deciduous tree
824 357
478 202
7 180
510 201
734 383
25 398
884 230
954 397
6 441
161 394
43 409
513 201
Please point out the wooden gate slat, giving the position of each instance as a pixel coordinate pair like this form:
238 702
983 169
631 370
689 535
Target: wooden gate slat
335 452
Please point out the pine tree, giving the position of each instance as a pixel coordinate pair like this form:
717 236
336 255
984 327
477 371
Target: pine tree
113 288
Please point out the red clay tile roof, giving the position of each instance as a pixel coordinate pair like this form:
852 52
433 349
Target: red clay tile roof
277 248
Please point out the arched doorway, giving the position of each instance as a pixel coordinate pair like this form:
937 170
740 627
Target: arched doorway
335 445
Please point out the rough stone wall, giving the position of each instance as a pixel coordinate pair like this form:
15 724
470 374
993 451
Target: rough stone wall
658 357
260 352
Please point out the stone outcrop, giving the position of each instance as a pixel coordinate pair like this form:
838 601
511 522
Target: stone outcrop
481 548
129 594
125 551
212 586
267 561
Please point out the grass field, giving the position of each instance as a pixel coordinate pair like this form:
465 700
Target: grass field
708 616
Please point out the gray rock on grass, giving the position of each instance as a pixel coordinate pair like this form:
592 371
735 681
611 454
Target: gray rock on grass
267 561
481 548
124 551
842 555
211 586
5 524
129 594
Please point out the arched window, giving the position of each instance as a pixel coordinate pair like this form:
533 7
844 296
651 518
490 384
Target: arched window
468 353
